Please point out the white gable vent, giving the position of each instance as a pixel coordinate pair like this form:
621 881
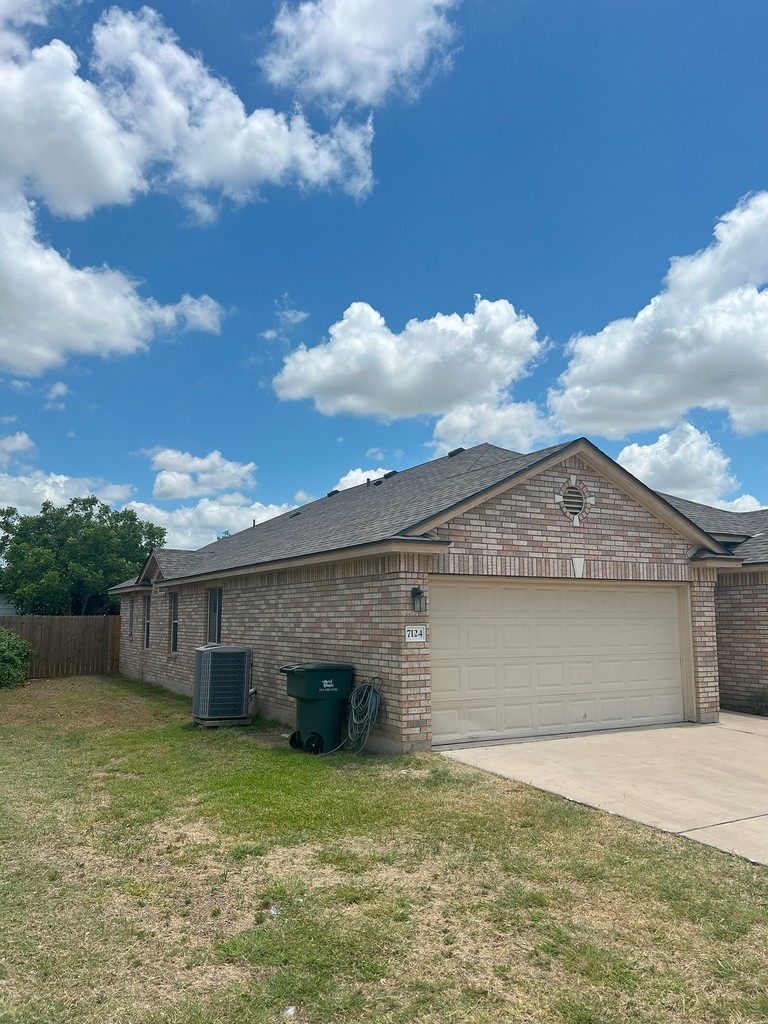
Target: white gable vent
573 500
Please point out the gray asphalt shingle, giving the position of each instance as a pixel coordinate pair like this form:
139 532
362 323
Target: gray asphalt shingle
398 504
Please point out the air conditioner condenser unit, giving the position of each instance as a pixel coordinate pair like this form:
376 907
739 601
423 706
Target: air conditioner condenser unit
222 685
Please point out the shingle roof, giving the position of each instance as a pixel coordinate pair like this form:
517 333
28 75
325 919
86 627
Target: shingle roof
752 525
382 510
398 505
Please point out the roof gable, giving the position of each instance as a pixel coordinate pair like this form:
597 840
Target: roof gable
401 507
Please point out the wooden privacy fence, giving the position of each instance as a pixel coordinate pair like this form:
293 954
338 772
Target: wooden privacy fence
68 645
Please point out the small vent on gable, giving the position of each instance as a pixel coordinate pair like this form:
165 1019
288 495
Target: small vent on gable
573 500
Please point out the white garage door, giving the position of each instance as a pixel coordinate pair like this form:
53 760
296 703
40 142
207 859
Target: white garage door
525 659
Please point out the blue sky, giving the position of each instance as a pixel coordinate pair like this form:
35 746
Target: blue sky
251 251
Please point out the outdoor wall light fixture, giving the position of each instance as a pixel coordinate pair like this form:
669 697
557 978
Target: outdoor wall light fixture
419 599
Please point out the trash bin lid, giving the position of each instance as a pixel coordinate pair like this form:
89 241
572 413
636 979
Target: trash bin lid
317 666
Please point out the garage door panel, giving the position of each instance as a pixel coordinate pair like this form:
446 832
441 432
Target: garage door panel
516 637
446 681
447 723
546 600
481 679
513 659
446 637
582 674
583 712
479 599
481 638
549 676
552 714
549 636
516 676
517 718
482 720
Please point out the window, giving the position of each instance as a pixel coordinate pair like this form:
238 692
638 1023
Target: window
214 616
173 606
147 605
131 603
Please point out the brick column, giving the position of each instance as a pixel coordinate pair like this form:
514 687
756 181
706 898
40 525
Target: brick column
705 671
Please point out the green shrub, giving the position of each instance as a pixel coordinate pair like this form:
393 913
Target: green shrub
758 703
15 656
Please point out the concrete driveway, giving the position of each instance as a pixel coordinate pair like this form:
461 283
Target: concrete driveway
706 782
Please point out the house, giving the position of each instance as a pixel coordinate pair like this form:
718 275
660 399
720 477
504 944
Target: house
494 594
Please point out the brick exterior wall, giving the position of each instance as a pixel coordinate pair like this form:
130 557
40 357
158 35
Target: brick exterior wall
352 612
741 600
356 611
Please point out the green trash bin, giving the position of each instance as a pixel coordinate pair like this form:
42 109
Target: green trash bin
321 693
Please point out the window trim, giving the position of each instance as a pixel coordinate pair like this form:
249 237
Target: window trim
214 616
173 614
147 620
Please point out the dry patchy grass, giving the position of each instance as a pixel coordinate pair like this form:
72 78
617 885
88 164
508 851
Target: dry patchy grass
155 874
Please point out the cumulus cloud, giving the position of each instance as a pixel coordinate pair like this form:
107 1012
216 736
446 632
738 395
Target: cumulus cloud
27 491
430 367
686 462
358 51
701 342
14 445
58 138
52 310
55 395
196 125
193 526
517 425
359 476
182 475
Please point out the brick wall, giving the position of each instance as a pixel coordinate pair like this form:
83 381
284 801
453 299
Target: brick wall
741 600
353 612
356 611
524 532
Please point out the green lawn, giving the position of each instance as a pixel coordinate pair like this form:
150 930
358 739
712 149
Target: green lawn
153 873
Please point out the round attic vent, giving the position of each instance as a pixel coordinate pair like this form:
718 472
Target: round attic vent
573 500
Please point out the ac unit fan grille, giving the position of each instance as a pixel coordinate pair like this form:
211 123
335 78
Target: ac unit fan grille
222 683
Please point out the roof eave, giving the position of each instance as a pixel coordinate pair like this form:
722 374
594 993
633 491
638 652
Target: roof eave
392 545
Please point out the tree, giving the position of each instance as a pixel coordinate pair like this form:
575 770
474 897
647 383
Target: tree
62 561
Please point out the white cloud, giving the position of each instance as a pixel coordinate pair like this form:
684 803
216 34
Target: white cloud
13 445
57 136
288 318
516 425
377 454
5 420
686 462
52 310
54 396
182 475
196 125
303 497
358 51
430 367
27 491
194 526
701 342
19 385
359 476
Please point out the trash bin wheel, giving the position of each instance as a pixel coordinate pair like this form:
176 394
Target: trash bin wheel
313 744
294 741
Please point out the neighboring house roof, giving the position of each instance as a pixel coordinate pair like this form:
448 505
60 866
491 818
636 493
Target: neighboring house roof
6 606
748 530
399 507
